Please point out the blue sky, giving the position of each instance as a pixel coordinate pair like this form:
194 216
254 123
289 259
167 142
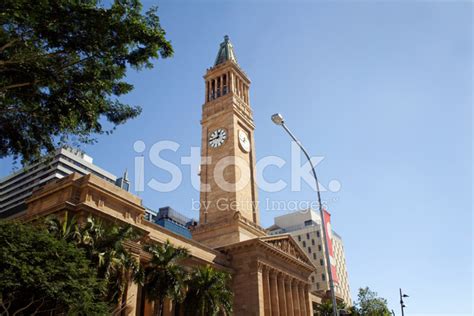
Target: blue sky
381 90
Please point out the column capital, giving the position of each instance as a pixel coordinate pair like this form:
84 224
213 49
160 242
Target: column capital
273 273
134 248
301 285
294 283
267 269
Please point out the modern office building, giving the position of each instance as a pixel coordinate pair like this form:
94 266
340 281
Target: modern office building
150 214
174 221
305 227
17 187
123 182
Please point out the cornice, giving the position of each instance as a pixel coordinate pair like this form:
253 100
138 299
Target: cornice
107 193
221 67
235 219
262 245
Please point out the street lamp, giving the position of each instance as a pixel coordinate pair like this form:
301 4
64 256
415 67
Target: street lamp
402 304
278 120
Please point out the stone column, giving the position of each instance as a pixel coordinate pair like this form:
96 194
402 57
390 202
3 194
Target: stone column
281 292
149 308
168 308
296 298
213 89
267 298
275 304
302 294
288 296
309 304
235 84
131 298
222 85
260 290
238 87
140 299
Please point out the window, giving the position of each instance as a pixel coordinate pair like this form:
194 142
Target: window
318 234
309 249
312 278
307 236
299 238
320 248
324 277
321 261
304 243
312 242
308 222
317 285
314 256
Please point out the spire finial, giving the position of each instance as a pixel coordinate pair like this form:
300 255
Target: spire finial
226 52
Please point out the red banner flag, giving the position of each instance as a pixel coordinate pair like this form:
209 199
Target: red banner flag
327 222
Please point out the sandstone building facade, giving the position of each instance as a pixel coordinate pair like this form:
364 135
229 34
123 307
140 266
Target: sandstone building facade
305 227
270 274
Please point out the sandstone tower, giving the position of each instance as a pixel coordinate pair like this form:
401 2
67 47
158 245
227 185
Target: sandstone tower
229 209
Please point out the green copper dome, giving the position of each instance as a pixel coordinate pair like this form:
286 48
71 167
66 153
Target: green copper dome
226 52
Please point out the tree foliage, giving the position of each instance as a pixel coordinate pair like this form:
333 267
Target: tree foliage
204 290
208 292
369 304
325 308
165 276
68 268
104 246
40 273
62 64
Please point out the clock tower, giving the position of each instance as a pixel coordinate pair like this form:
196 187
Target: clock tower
229 208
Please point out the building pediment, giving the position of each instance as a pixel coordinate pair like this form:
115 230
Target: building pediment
286 244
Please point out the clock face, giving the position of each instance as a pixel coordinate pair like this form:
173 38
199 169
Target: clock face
244 141
217 137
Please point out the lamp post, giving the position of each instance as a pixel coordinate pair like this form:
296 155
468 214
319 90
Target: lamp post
402 304
278 120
